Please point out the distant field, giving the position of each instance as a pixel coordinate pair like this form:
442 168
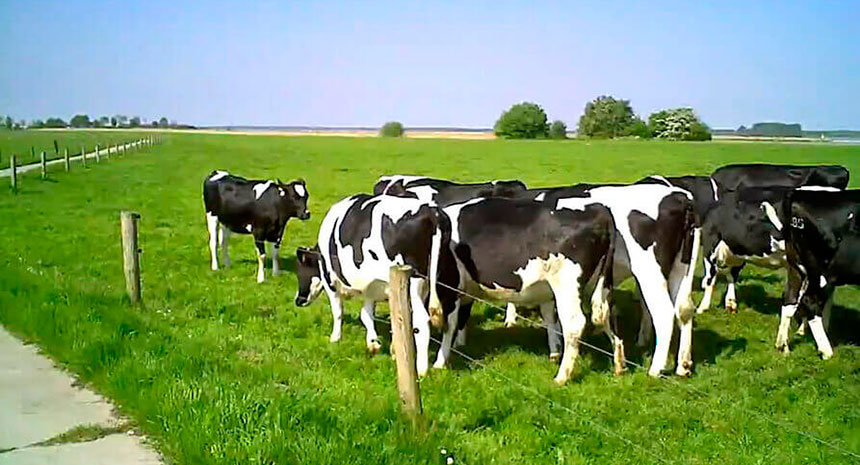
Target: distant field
218 369
19 143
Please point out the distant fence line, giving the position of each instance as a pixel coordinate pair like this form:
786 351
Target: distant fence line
16 167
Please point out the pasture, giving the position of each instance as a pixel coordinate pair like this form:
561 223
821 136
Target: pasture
215 368
19 143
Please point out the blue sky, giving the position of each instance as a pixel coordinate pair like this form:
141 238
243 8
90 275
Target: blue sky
429 64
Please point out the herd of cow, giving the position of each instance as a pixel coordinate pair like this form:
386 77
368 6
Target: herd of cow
547 247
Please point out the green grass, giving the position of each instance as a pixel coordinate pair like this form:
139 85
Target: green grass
27 145
217 369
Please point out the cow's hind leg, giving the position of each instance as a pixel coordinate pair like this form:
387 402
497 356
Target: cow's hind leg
791 298
224 243
566 289
212 226
336 314
553 330
368 311
276 260
510 315
261 259
731 296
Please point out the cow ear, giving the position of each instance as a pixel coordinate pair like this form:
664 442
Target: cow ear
279 181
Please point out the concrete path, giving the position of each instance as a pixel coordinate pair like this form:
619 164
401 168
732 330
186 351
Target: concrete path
91 158
39 401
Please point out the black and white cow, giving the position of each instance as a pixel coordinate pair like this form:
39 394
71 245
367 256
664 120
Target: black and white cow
729 209
657 244
443 192
733 177
256 207
532 254
823 251
359 240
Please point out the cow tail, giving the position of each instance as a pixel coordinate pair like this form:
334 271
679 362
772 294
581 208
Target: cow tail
601 299
690 254
441 238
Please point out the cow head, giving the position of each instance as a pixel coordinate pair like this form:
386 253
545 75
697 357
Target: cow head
294 198
507 189
308 271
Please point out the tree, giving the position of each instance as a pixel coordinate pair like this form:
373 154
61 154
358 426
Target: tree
134 121
163 122
678 124
391 129
8 123
558 130
606 116
55 123
639 129
154 123
121 120
113 121
36 124
524 120
80 121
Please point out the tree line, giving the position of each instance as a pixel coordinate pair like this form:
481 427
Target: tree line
84 121
604 117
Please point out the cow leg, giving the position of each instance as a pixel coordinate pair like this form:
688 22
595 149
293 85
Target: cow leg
224 241
510 315
553 330
817 327
261 259
420 324
709 281
368 310
212 226
654 289
276 265
447 340
731 297
814 302
336 314
618 358
791 298
646 327
464 311
566 289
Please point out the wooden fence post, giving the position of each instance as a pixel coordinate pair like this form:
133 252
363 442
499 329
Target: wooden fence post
32 153
44 161
130 254
84 155
404 340
66 157
14 173
98 158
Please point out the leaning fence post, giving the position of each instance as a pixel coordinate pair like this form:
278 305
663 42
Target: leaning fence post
14 173
130 254
84 155
404 340
44 162
98 158
66 158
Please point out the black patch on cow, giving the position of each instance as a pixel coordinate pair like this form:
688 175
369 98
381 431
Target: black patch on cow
448 193
355 225
411 237
335 261
643 228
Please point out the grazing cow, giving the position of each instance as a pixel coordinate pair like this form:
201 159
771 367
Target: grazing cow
532 254
733 177
823 251
729 210
659 246
443 192
359 240
256 207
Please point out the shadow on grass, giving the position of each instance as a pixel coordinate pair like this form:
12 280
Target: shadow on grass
755 296
844 326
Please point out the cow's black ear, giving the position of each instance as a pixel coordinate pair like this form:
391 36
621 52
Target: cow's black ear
279 181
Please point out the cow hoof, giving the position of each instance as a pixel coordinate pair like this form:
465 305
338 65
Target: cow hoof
422 372
684 370
700 310
619 371
439 366
276 273
214 267
826 355
801 330
554 358
334 338
561 381
509 324
731 306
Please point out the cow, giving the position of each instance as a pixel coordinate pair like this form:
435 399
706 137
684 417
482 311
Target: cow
822 237
248 206
443 192
359 240
532 254
729 210
733 177
658 245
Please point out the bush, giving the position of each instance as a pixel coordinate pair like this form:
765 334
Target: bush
391 129
55 123
678 124
606 117
524 120
558 130
639 129
80 121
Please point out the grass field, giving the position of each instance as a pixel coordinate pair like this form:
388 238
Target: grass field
218 369
20 143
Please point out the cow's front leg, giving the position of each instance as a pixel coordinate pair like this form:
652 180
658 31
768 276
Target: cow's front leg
510 315
731 296
553 330
794 286
336 314
566 290
276 261
709 281
261 259
372 339
212 227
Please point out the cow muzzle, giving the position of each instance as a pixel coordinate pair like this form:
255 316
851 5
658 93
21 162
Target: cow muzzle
305 215
301 301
